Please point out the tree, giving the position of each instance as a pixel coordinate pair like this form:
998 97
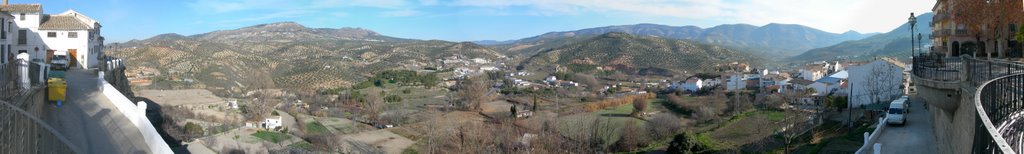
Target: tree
534 102
260 107
631 138
373 103
686 144
473 92
988 20
513 111
193 130
588 80
663 125
639 105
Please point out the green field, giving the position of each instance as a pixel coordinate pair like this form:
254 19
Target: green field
580 124
316 128
750 126
271 136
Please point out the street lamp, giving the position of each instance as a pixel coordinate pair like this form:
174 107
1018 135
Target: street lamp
912 21
920 45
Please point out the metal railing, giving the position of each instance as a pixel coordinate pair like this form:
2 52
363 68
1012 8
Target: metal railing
8 80
999 122
21 131
937 68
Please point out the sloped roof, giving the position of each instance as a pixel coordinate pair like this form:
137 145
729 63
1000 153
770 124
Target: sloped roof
829 80
801 81
840 75
62 22
22 8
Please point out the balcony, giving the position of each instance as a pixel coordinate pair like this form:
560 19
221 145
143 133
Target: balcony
946 69
999 118
940 33
961 33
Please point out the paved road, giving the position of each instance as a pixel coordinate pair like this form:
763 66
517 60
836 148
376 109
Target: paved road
91 122
914 137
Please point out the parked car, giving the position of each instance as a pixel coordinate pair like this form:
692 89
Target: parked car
897 112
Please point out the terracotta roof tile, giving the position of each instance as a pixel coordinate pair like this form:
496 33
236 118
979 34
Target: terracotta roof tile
62 22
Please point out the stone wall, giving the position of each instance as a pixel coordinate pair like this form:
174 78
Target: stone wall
954 127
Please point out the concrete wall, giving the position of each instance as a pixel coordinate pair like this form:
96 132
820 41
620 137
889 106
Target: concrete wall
952 113
137 115
879 76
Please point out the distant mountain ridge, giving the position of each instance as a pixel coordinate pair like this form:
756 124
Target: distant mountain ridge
636 54
788 39
286 55
895 43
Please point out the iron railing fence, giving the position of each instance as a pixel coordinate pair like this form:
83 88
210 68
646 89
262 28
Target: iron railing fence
937 68
21 131
999 122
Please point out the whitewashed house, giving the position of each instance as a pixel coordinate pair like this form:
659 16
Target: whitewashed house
711 82
693 84
877 81
832 83
551 79
272 122
6 39
735 82
42 34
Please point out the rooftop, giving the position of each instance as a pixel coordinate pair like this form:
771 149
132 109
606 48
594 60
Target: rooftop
26 8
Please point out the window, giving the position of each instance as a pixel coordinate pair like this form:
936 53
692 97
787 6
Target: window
22 40
3 31
22 17
72 34
51 34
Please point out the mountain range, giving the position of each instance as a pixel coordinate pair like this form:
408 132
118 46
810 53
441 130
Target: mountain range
784 39
645 55
294 56
288 54
894 43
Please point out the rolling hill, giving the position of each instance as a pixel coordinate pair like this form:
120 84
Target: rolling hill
895 43
784 39
285 55
635 54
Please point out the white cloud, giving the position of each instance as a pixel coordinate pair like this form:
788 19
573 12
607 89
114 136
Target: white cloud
401 13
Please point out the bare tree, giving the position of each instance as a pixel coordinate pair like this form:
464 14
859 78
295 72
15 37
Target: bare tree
663 125
885 79
631 138
373 104
260 107
639 105
589 80
473 92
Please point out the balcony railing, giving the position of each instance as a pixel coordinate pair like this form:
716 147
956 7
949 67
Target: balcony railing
960 32
999 122
938 68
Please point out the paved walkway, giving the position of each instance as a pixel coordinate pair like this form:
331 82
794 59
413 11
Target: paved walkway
916 136
91 122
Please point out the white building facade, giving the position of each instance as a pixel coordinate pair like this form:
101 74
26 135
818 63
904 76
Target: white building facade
878 81
40 34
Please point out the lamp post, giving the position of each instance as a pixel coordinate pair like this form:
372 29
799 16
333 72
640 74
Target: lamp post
912 21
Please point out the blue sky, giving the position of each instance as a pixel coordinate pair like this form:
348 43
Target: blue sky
466 20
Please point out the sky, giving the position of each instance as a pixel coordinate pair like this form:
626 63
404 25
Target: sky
469 20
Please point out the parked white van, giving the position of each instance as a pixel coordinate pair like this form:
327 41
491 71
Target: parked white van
897 112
